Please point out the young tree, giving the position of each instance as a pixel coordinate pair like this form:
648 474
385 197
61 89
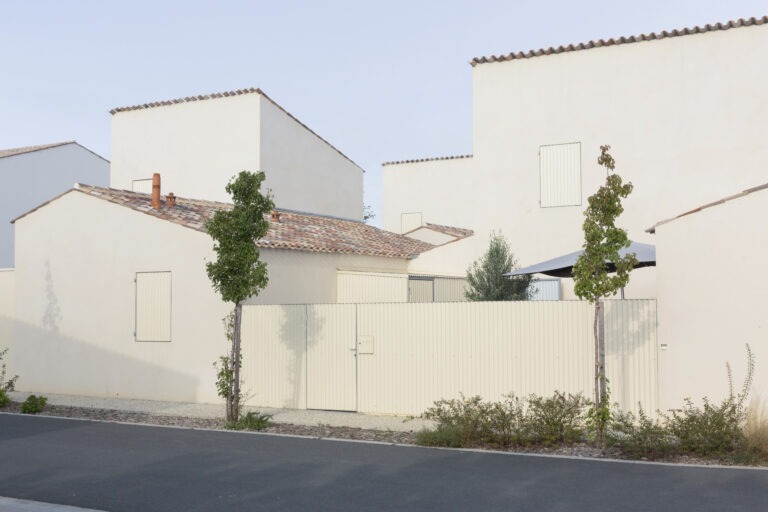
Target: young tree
486 275
592 279
237 272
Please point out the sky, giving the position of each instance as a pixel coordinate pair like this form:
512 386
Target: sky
381 81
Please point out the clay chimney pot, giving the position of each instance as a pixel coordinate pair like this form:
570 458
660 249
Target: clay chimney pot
156 191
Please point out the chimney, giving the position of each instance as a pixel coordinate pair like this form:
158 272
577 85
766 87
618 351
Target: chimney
275 216
156 191
170 200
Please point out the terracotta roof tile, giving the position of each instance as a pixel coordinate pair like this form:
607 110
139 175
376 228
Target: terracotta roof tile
450 230
746 192
294 231
226 94
30 149
433 159
741 22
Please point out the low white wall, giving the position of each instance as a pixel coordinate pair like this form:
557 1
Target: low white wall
409 355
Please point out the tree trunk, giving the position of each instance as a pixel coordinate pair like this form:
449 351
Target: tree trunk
233 400
596 331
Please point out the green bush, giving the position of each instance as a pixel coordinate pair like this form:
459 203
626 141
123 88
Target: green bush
641 437
6 386
514 421
460 422
251 421
34 404
558 419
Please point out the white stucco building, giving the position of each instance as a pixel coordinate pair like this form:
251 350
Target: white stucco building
33 174
686 113
198 143
106 282
713 297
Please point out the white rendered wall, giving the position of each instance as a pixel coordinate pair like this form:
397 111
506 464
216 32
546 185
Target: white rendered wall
198 146
29 179
195 146
713 299
306 173
76 304
686 118
76 300
7 311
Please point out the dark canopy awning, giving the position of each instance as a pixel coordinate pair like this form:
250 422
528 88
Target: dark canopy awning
562 266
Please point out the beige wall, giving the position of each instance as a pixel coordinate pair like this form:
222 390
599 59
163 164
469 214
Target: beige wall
713 299
306 173
686 117
409 355
198 146
76 264
77 260
7 292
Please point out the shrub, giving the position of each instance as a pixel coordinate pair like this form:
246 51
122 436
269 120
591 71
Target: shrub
34 404
558 419
715 430
756 430
251 421
514 421
460 422
641 437
6 386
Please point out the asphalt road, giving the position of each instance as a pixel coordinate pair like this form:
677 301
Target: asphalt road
130 468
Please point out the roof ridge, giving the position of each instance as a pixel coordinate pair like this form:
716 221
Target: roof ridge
430 159
227 94
717 202
651 36
293 230
31 149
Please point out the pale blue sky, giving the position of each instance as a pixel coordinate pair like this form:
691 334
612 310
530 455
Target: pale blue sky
379 80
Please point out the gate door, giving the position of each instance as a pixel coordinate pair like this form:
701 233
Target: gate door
331 357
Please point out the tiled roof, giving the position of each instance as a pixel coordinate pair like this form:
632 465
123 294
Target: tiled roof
450 230
456 157
294 231
30 149
746 192
226 94
741 22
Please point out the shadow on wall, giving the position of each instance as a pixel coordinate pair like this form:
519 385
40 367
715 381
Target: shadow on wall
48 362
631 351
52 315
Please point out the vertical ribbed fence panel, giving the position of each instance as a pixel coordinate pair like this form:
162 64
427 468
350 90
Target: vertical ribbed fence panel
424 352
409 355
331 362
631 353
274 341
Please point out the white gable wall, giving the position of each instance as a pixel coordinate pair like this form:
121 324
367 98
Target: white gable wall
304 172
76 300
75 315
31 178
686 118
713 299
196 146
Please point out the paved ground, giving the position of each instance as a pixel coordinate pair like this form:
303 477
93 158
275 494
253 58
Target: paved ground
297 417
118 467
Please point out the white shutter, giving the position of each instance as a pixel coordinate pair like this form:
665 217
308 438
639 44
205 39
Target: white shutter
560 168
153 306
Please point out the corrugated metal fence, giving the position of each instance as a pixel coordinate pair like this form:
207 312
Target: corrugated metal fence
400 358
